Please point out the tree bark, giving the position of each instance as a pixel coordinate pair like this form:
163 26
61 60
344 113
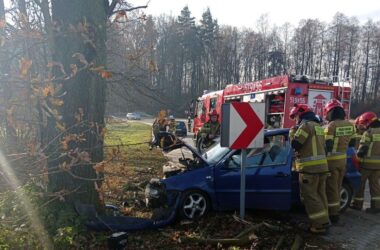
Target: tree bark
80 28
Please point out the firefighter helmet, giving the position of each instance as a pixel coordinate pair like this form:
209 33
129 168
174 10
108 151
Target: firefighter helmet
333 103
214 113
298 110
357 120
367 118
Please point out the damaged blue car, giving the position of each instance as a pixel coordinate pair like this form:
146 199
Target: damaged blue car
200 183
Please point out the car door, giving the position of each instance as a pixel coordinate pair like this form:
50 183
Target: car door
268 177
227 181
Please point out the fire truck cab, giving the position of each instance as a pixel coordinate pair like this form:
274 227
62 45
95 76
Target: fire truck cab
279 94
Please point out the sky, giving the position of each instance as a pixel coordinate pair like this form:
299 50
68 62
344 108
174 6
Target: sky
244 13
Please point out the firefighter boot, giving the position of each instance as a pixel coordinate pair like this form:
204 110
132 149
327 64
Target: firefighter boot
357 204
314 229
318 230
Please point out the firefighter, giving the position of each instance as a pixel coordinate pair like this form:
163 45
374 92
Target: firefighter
189 123
357 204
159 125
308 142
369 155
339 135
359 131
172 124
210 129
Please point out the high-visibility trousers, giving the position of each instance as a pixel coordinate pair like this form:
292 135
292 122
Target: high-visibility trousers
373 176
334 184
313 195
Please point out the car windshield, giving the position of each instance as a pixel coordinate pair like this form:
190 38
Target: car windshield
215 153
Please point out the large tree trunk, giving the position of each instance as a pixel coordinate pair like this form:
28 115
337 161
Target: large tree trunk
80 27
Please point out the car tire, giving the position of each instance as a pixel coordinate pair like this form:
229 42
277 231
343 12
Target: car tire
346 194
194 204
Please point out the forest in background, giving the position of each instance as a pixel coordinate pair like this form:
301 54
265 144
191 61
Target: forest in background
167 61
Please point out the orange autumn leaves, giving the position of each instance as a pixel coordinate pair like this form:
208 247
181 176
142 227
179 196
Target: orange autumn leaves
26 63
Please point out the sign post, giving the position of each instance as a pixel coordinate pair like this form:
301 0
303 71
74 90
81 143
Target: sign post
242 128
242 183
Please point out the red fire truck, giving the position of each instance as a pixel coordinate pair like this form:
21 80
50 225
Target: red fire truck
279 94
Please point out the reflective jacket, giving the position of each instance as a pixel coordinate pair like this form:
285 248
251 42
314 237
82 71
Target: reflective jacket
212 128
358 136
172 126
371 139
311 157
340 132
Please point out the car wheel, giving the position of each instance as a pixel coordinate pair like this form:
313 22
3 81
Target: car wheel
345 197
194 204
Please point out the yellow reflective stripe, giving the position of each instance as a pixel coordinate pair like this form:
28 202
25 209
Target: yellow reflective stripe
336 157
370 149
335 145
329 137
345 130
292 133
376 137
318 215
334 204
301 132
358 136
358 199
376 198
314 145
311 158
365 160
365 138
301 165
319 130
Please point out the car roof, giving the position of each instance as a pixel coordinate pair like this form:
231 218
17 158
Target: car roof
277 131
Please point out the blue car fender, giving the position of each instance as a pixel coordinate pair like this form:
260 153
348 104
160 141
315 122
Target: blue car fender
197 179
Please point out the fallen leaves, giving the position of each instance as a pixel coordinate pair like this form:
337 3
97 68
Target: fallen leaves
99 167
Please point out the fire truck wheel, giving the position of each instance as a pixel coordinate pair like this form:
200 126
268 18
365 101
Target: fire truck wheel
201 146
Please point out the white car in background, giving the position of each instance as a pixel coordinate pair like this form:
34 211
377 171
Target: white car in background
133 116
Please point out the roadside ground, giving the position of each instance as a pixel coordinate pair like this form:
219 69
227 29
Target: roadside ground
133 165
